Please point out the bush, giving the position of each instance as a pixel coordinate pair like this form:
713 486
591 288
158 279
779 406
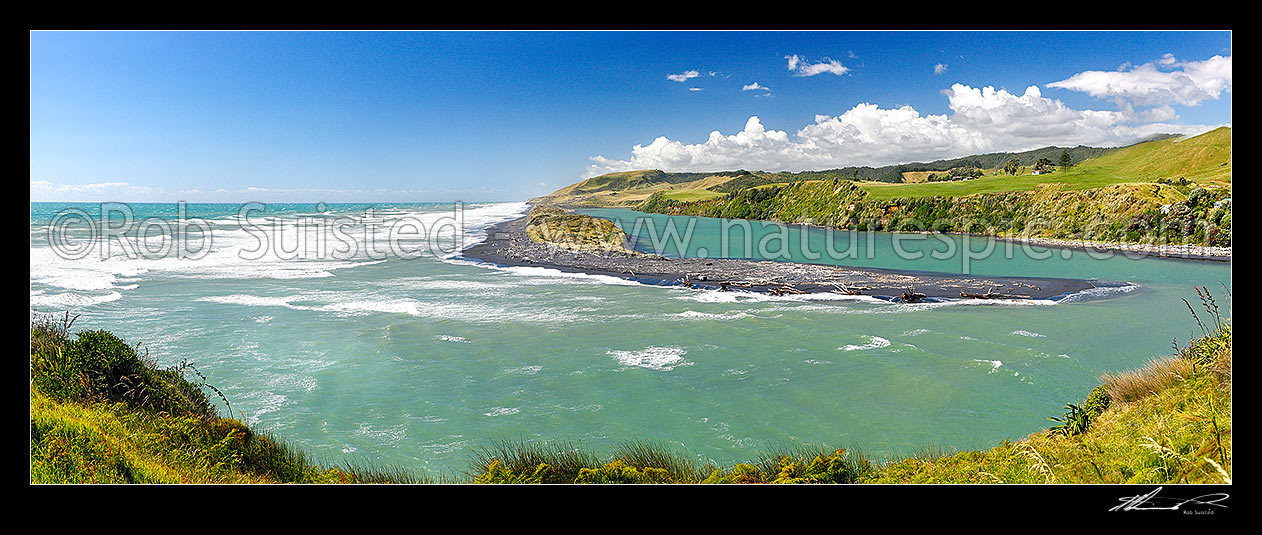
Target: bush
1097 401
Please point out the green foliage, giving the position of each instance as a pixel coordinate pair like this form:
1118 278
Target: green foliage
1012 166
1119 213
956 173
498 472
1075 421
1097 401
575 231
740 473
837 466
619 472
99 366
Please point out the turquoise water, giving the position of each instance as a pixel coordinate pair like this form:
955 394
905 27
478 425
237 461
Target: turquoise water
419 361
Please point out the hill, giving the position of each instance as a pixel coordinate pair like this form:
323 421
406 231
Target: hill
1203 159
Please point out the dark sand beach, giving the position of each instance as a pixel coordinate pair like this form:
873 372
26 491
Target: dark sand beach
508 245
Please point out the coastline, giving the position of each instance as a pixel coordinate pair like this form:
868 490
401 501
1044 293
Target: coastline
1130 250
507 244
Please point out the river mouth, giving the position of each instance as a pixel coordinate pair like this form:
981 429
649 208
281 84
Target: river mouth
508 245
420 362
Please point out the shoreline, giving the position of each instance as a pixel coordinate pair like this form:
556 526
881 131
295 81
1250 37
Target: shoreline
506 244
1130 250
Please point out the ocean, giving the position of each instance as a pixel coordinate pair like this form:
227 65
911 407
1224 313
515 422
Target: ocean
375 343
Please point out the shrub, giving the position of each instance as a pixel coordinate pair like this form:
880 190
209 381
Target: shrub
619 472
1075 422
1097 401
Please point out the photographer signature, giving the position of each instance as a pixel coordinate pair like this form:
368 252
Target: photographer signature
1150 502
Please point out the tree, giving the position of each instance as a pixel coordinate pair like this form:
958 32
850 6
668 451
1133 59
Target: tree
1065 160
1043 164
1012 166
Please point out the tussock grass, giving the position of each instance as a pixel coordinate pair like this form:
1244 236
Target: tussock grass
677 465
562 461
1159 374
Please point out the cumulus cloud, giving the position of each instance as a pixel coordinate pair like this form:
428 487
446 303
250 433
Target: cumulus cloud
939 68
801 67
981 120
683 76
755 87
1163 82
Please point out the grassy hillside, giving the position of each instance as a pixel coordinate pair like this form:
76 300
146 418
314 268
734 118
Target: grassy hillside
633 187
1203 159
628 188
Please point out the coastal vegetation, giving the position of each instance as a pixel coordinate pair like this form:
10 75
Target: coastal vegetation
575 231
101 412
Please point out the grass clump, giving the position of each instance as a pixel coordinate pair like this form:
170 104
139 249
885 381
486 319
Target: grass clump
643 462
1159 374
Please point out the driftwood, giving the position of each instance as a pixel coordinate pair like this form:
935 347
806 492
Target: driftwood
846 290
910 296
785 290
990 294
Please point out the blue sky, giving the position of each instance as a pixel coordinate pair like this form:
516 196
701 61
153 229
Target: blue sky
408 116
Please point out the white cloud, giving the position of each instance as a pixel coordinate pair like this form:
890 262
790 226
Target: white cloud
981 120
683 76
1163 82
939 68
755 87
695 89
800 67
